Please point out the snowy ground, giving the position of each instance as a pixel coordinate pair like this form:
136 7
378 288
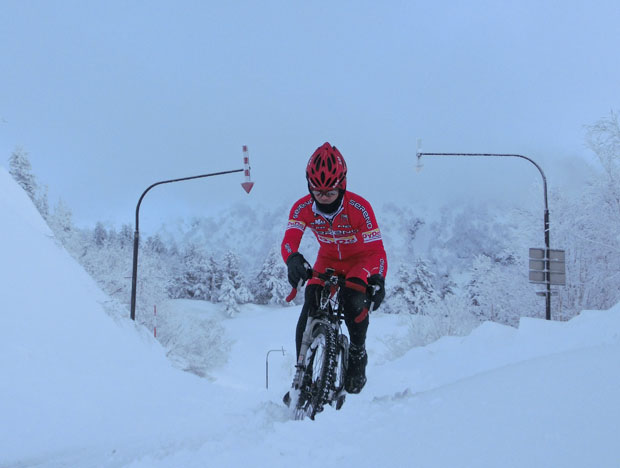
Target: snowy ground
79 388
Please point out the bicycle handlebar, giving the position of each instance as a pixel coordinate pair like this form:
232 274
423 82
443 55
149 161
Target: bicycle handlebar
342 282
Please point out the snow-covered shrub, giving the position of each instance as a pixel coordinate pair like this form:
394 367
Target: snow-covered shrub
195 341
450 316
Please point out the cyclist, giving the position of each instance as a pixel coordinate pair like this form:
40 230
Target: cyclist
350 242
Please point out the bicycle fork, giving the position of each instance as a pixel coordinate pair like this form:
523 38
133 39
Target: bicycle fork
306 341
338 393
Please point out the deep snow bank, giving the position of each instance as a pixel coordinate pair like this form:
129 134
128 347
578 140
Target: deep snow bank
71 375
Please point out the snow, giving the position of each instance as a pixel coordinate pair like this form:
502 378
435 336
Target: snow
80 387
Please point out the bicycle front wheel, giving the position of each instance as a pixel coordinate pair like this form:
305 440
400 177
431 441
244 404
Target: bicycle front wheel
319 372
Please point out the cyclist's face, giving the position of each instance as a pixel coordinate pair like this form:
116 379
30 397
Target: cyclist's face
325 197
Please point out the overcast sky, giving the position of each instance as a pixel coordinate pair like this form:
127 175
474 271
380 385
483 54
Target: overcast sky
109 97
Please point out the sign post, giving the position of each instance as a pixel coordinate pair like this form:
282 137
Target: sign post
548 267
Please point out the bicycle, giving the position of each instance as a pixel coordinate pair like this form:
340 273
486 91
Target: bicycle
323 358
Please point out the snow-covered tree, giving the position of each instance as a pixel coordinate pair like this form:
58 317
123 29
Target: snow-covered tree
125 236
413 290
42 203
445 285
21 170
100 235
194 278
155 244
412 226
215 278
499 289
271 285
60 222
603 137
233 290
228 296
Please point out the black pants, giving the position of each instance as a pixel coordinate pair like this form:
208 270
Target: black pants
354 303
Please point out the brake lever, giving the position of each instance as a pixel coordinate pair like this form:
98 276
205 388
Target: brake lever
373 288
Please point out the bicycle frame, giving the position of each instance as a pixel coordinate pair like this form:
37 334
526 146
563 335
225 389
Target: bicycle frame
329 311
329 314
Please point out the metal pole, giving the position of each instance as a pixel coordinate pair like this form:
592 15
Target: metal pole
267 365
547 268
546 216
134 274
136 236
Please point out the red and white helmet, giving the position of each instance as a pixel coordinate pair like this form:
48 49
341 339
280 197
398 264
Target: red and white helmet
326 169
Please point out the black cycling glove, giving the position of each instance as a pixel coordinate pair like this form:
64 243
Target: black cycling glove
297 269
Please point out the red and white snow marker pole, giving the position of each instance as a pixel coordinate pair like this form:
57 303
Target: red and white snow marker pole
248 184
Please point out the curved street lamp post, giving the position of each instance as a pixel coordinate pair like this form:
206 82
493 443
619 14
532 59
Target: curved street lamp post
547 278
247 186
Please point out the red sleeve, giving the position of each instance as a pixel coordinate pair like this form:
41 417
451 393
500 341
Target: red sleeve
371 235
295 228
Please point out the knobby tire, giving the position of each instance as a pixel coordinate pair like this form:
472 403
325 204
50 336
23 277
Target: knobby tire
320 372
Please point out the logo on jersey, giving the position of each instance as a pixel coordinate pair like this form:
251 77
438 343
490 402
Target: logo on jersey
337 240
343 232
365 213
301 207
371 236
296 224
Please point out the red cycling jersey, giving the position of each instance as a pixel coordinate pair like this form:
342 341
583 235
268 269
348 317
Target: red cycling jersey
350 239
